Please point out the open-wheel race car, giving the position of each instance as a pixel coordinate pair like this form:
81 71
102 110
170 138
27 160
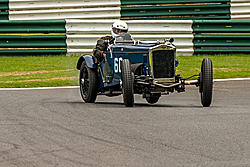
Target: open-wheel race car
139 67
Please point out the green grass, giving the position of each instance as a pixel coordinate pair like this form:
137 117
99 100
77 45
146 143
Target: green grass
224 66
38 71
36 63
43 71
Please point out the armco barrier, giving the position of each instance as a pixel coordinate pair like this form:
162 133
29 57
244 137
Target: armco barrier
152 2
111 9
135 26
4 9
224 36
33 41
240 9
33 37
63 9
78 36
25 25
125 9
34 26
172 10
222 26
82 34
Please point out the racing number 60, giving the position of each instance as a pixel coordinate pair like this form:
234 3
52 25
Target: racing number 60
117 64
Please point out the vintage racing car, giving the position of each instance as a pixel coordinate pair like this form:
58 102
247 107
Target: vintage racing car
139 67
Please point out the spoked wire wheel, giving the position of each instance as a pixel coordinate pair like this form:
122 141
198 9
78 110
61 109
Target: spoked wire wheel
88 83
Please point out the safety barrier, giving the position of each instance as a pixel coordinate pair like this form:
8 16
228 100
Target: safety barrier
4 7
124 9
240 9
224 36
33 36
34 26
191 37
78 36
75 25
63 9
82 34
175 9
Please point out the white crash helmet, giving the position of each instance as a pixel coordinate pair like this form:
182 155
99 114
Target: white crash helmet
118 28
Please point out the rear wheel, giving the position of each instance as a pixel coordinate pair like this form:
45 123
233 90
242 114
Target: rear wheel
88 83
127 83
206 82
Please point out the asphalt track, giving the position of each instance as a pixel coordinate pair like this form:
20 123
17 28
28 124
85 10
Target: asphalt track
55 128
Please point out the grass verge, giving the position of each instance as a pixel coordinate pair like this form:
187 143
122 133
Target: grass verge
43 71
224 66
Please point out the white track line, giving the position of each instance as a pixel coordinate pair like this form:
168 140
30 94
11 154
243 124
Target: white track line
231 79
41 88
74 87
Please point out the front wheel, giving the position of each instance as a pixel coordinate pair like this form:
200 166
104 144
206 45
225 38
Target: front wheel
88 83
127 83
206 82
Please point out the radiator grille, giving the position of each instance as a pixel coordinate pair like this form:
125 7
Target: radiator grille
163 63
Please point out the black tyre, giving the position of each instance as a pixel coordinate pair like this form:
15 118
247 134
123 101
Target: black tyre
153 99
127 83
88 83
206 82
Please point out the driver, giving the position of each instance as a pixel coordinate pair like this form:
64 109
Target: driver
118 28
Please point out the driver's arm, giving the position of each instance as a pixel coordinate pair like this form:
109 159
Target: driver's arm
101 46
